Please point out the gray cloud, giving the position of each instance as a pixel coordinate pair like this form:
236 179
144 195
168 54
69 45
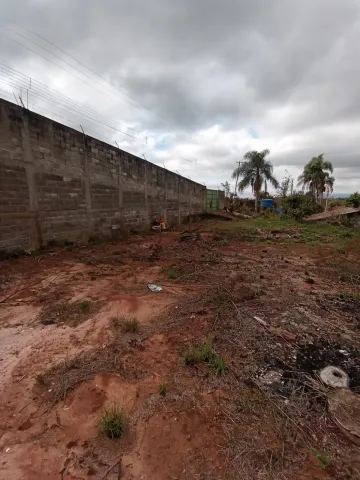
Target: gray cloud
278 74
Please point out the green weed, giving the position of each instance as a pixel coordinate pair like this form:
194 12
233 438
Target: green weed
113 421
163 388
205 354
63 386
85 306
224 242
193 355
218 363
172 273
348 297
323 458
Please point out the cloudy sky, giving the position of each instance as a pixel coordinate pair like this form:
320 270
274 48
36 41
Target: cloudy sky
196 82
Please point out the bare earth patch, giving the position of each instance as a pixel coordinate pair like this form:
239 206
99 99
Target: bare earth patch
80 332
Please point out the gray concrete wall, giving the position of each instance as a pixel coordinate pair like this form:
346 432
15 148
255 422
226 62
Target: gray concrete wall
58 184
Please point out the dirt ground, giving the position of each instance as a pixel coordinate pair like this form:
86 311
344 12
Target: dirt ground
273 307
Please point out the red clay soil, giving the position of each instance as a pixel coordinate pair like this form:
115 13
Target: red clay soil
63 360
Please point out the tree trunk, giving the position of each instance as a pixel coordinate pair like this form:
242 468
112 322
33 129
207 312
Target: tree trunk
257 186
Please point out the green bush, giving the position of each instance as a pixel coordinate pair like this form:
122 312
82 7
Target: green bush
353 200
300 205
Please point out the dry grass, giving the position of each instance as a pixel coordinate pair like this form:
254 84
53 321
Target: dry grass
71 314
126 324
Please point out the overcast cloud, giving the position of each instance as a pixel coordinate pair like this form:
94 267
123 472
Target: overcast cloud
203 81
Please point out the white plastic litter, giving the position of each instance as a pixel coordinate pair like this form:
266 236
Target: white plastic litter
334 377
155 288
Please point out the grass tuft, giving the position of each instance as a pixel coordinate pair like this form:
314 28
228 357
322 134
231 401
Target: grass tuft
224 242
63 386
205 353
113 421
163 388
172 273
218 363
348 297
193 355
323 458
126 324
85 306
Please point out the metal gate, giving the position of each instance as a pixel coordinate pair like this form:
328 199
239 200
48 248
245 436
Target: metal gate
212 201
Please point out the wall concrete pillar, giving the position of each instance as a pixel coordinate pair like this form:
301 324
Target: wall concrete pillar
36 235
190 199
87 185
146 195
166 197
120 188
179 211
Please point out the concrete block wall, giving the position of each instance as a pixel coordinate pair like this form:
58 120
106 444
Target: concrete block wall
58 184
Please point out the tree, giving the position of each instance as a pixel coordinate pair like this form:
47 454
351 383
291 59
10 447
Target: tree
315 176
329 188
353 200
300 204
226 187
255 171
285 186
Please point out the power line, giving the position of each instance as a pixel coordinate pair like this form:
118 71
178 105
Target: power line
59 66
43 96
118 89
43 109
78 70
80 114
28 48
38 86
139 105
93 71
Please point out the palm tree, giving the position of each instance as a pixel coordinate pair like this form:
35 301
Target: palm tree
255 170
314 176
